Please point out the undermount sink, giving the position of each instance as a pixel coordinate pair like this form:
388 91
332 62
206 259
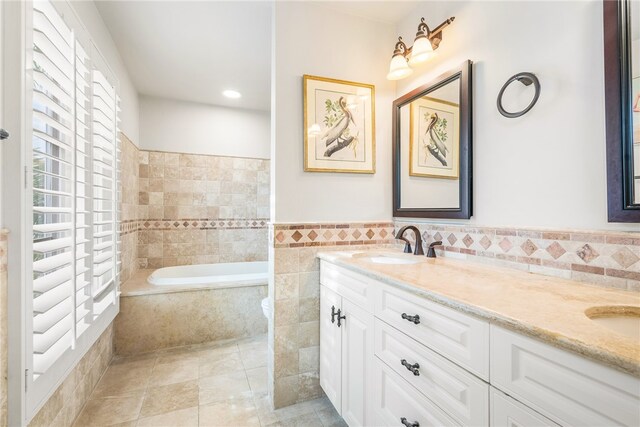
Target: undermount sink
390 259
623 320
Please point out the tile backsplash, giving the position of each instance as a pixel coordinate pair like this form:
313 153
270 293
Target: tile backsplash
604 258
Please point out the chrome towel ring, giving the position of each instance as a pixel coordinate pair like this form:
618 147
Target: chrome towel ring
526 79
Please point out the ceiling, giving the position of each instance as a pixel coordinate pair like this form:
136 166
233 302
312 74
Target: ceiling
194 50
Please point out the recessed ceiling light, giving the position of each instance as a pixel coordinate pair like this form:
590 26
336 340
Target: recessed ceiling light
233 94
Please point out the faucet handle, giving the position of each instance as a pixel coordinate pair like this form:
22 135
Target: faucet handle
431 253
407 245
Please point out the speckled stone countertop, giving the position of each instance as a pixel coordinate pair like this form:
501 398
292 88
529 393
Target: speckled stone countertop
547 308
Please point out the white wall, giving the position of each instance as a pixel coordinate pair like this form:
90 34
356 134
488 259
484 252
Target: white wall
90 17
187 127
546 168
322 41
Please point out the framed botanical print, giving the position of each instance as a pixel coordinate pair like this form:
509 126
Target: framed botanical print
339 126
434 138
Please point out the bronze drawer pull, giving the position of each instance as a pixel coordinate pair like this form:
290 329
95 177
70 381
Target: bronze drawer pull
415 319
415 368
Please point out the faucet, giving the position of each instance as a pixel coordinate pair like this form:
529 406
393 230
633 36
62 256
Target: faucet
431 253
407 244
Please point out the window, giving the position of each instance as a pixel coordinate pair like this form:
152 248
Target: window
74 166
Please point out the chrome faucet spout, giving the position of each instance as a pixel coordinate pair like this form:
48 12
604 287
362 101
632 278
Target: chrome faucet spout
407 245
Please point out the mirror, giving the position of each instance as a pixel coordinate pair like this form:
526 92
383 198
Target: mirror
432 148
622 105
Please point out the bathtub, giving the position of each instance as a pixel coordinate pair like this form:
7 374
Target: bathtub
190 305
229 273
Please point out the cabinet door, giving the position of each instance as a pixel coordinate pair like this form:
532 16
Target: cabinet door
508 412
330 347
357 356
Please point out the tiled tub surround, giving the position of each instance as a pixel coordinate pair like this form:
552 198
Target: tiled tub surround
604 258
3 326
150 321
129 182
68 400
294 332
199 193
204 241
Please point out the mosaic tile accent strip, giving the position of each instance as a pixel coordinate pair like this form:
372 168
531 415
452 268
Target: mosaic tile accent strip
300 235
127 227
605 258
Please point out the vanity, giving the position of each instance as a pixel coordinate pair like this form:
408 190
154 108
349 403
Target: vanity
409 340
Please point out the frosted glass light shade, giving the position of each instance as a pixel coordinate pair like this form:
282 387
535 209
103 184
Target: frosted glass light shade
314 130
398 69
421 50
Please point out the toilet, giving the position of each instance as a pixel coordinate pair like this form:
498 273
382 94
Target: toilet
266 308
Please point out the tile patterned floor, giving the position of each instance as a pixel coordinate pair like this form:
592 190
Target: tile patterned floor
205 385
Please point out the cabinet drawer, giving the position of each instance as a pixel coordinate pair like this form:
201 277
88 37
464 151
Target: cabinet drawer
353 286
459 393
567 388
508 412
395 399
458 337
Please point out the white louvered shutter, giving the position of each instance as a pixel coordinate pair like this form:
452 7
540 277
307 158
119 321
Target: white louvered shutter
73 199
104 191
53 157
84 311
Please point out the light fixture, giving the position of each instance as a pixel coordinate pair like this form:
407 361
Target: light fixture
425 43
233 94
315 130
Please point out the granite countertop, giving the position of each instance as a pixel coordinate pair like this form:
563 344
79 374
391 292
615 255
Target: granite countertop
547 308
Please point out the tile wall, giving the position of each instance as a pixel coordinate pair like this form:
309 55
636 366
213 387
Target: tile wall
3 327
129 181
604 258
195 209
67 401
294 330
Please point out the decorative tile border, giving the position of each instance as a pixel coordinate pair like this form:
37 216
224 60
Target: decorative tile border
601 257
325 234
127 227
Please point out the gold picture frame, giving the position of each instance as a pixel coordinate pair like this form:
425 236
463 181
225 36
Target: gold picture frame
339 126
434 138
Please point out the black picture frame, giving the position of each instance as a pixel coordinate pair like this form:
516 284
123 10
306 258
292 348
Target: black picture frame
618 112
465 209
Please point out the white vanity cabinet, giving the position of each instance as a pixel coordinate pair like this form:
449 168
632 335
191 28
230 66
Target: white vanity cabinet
346 341
401 359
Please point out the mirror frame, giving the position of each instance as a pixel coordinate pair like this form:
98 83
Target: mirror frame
464 211
618 112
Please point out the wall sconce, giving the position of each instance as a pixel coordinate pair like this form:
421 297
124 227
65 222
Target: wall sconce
425 43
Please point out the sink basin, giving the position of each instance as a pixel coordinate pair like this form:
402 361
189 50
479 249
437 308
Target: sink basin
390 259
623 320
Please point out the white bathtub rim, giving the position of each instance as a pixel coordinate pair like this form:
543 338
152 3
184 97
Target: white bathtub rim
186 275
158 290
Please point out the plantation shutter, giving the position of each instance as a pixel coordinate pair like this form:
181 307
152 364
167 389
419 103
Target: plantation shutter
105 158
84 306
53 148
74 198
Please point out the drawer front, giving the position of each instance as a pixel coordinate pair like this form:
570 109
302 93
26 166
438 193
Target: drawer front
459 393
459 337
353 286
567 388
395 399
508 412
